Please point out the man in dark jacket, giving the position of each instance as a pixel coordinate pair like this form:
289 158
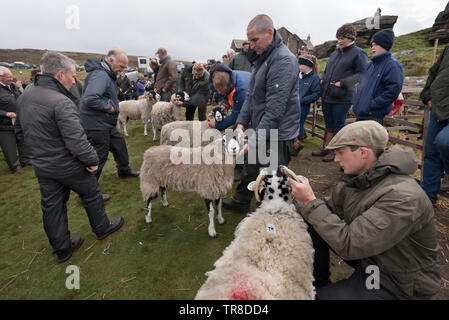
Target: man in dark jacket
240 60
338 82
271 106
377 219
436 151
195 81
8 141
100 109
167 76
124 87
63 159
380 82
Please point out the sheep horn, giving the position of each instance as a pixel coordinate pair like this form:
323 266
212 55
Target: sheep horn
289 173
260 177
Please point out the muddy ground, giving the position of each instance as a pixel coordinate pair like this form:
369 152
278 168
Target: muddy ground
323 176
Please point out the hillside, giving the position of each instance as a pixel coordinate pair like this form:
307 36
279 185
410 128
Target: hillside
416 64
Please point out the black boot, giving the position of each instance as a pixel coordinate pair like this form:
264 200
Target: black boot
130 173
65 255
115 225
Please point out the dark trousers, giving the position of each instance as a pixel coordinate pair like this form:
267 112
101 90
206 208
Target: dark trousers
54 196
10 145
353 288
190 112
335 115
105 141
251 171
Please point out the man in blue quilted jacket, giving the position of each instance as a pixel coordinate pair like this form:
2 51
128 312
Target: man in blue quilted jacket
381 80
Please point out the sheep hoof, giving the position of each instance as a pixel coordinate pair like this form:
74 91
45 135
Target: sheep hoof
148 220
212 234
221 221
165 204
145 134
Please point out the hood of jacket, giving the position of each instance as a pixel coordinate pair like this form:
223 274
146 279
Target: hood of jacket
396 160
100 64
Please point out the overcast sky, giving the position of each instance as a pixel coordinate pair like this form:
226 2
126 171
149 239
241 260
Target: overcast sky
188 29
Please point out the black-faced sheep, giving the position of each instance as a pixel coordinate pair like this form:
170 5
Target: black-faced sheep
271 256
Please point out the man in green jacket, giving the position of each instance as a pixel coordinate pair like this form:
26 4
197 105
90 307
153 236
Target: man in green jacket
240 60
436 151
377 219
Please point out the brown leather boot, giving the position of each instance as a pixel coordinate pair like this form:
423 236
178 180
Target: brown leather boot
297 146
328 135
329 157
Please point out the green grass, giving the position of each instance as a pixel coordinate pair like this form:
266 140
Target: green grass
164 260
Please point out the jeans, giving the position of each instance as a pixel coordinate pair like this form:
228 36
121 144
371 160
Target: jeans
436 156
304 112
335 115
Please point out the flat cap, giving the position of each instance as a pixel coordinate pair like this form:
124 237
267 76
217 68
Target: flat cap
161 50
370 134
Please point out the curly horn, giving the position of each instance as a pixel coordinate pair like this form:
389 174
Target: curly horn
289 173
260 177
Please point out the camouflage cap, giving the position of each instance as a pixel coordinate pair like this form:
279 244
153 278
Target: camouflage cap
368 134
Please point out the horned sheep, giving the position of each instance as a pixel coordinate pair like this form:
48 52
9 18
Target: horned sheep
271 256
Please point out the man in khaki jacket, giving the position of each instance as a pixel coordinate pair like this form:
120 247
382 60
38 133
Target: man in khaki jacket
167 75
377 219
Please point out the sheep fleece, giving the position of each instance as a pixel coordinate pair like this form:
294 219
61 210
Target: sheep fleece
209 181
263 265
186 125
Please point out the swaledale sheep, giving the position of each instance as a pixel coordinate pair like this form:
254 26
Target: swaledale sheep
136 110
165 112
194 133
271 256
211 180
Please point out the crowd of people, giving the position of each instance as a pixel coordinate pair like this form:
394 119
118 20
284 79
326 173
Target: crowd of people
376 215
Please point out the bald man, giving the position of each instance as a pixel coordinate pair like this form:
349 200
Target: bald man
8 141
272 103
100 108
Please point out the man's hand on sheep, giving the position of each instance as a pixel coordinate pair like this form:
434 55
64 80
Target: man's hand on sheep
92 168
302 191
179 103
240 129
211 122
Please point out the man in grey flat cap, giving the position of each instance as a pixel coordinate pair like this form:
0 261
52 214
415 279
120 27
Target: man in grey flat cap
377 219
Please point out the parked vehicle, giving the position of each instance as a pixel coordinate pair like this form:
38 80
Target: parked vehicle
20 65
6 64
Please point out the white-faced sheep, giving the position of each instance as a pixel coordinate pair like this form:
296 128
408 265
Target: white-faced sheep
165 112
136 110
271 256
211 178
187 133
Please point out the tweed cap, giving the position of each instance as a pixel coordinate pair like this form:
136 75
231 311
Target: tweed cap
198 69
368 134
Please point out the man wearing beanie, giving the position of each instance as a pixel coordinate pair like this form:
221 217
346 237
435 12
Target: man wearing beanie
377 219
338 82
381 80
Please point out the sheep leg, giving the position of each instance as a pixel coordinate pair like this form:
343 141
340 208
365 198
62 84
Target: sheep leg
154 130
211 213
219 215
164 196
148 215
145 123
124 128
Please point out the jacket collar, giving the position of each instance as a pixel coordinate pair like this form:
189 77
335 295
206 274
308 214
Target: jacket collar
382 57
253 57
50 82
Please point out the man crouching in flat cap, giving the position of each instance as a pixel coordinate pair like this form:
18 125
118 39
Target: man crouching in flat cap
377 219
